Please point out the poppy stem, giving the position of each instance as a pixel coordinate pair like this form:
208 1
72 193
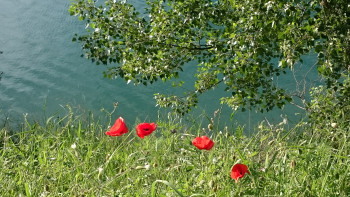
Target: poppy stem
238 191
200 163
201 160
147 144
173 143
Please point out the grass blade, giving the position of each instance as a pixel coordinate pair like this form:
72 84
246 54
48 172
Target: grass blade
166 183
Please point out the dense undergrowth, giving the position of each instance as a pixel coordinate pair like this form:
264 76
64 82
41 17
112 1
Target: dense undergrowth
72 156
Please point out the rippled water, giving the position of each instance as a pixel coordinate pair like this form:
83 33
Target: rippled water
41 64
42 69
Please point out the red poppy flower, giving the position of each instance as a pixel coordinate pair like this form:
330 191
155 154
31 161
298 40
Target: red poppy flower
238 171
203 143
145 129
119 128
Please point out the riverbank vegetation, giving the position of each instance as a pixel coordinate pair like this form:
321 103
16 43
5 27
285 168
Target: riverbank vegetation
72 156
244 47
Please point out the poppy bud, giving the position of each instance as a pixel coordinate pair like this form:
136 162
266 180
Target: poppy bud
292 164
210 127
173 131
216 112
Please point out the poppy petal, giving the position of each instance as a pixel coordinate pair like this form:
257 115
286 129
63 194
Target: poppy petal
119 128
203 143
209 145
238 171
144 129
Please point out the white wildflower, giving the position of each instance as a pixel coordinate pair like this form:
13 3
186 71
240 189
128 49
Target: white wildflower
334 125
73 146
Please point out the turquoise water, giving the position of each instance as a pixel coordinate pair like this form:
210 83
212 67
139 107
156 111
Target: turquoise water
43 71
42 67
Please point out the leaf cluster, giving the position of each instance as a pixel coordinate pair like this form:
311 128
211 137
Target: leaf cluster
236 44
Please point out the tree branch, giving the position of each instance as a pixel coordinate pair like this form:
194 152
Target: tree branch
206 47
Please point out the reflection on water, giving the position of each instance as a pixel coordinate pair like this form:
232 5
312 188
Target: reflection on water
41 70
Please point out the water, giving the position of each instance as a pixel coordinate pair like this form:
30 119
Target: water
43 71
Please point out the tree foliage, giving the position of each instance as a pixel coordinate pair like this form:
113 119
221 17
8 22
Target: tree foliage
243 44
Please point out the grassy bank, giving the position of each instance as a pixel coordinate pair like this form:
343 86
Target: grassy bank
73 157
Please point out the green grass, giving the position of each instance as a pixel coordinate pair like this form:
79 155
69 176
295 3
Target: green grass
73 157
